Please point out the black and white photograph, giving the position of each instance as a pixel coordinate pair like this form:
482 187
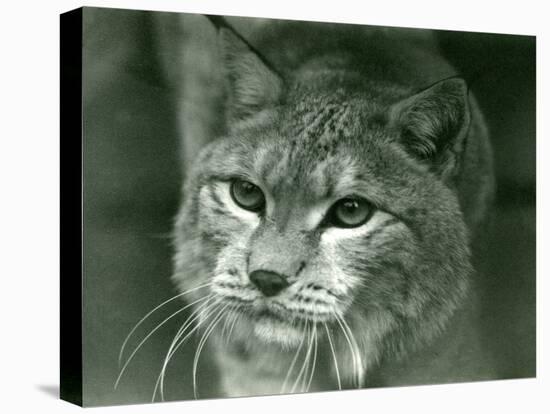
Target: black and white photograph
275 206
278 205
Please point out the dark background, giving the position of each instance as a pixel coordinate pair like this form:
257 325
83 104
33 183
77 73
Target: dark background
132 190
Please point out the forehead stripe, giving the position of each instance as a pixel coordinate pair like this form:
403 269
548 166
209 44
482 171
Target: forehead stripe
327 121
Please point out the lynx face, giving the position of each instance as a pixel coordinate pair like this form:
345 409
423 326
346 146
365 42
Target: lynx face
297 228
329 205
315 216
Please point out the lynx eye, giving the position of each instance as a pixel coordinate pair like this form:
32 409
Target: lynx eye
350 212
247 195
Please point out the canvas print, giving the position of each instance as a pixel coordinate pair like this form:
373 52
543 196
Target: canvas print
277 206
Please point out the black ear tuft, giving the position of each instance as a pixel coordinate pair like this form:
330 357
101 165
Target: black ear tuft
252 84
433 123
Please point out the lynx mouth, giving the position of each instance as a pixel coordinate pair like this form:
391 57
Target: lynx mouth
271 328
283 327
269 315
272 322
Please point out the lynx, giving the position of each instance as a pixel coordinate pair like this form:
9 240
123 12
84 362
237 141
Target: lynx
336 179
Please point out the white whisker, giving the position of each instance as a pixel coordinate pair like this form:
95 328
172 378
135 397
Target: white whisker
357 368
306 360
204 311
137 325
202 342
294 360
333 357
354 363
174 346
361 368
308 363
314 358
236 315
226 322
149 335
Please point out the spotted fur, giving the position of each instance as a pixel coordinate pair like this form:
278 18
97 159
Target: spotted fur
375 113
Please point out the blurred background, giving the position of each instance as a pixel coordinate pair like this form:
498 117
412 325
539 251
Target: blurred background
132 177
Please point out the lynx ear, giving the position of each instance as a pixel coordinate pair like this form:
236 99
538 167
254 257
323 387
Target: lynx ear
433 124
252 84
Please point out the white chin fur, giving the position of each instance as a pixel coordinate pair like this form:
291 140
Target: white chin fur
271 331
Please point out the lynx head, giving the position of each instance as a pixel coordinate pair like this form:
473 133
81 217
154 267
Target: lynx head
330 202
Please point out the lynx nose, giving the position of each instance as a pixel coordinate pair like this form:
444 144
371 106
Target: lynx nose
269 283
